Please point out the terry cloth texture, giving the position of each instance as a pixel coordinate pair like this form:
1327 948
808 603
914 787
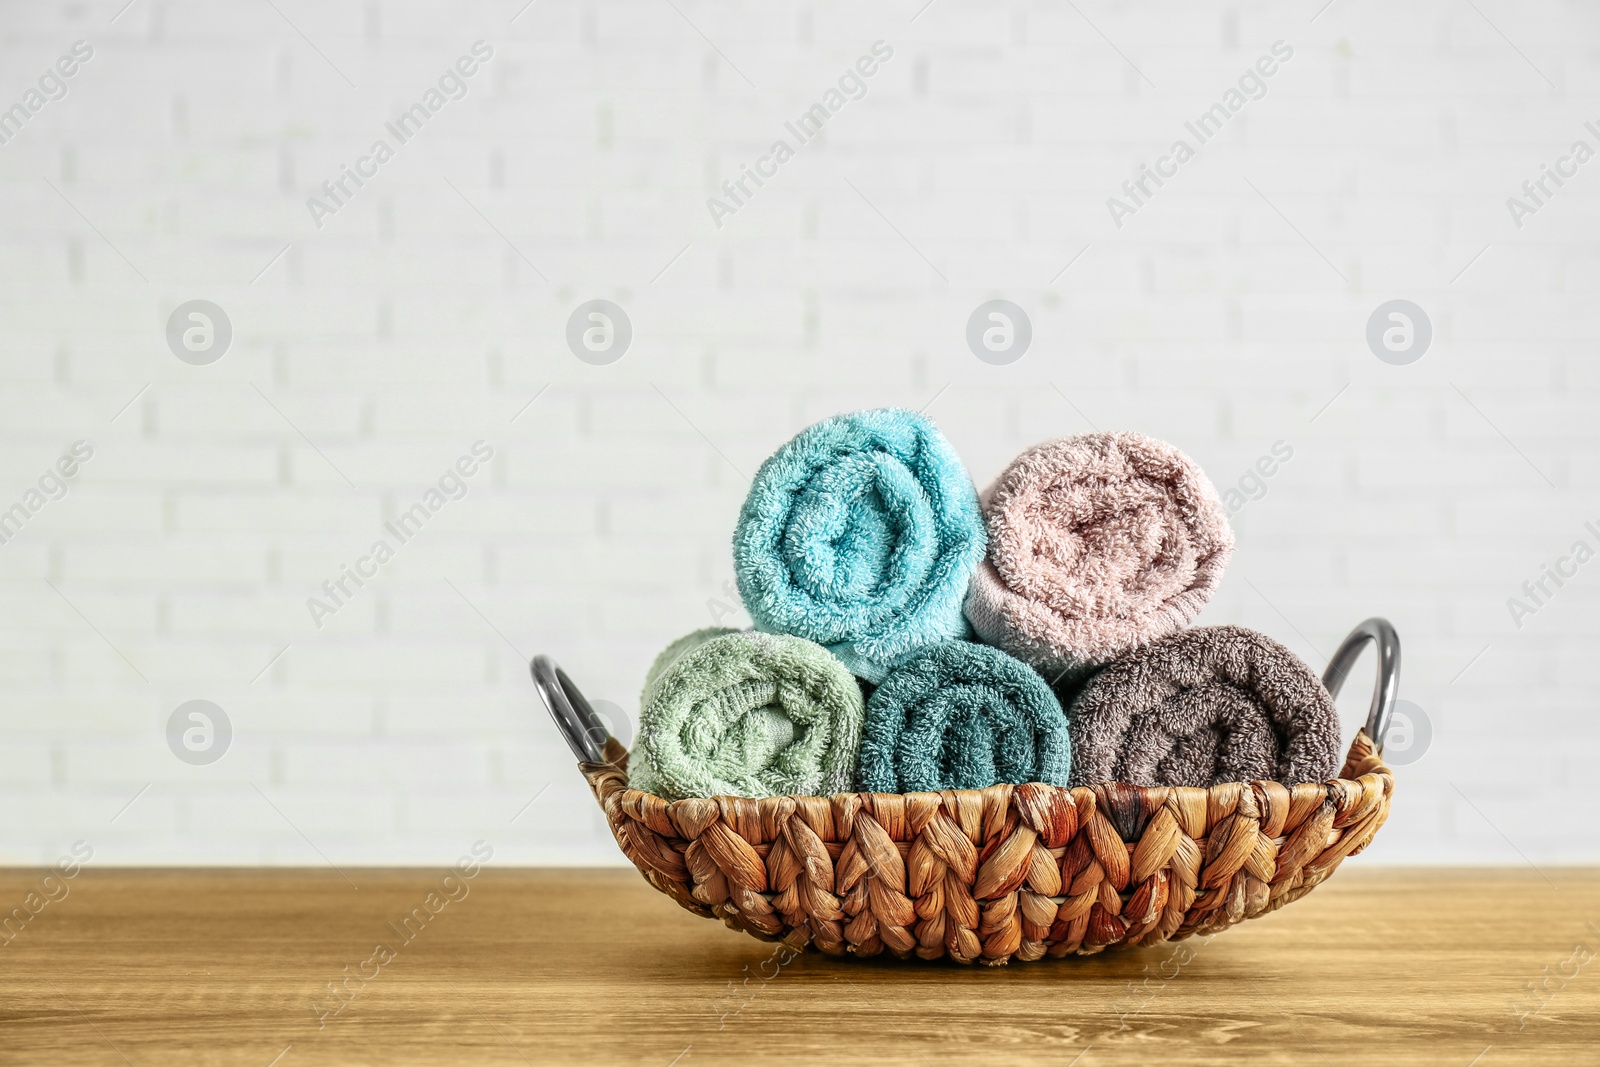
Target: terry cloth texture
962 716
670 654
727 713
1098 544
1207 706
861 534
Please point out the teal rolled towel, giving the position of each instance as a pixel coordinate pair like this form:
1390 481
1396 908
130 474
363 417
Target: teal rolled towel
963 716
730 713
861 534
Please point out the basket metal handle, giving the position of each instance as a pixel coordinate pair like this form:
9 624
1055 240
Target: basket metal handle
586 735
1387 684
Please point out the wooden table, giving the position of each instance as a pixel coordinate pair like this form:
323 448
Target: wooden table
594 967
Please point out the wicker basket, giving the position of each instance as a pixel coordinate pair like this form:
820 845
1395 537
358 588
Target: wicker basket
991 875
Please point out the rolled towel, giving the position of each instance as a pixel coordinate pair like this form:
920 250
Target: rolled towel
962 716
861 534
1207 706
730 713
1098 544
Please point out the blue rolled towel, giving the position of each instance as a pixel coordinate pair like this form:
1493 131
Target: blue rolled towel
861 534
962 716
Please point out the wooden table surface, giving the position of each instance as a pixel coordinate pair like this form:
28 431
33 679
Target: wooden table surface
518 967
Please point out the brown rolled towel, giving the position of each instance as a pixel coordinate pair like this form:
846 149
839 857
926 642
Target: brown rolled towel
1203 707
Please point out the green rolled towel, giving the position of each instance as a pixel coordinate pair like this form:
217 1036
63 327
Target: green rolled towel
963 716
730 713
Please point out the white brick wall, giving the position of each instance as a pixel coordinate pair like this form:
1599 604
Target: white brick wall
421 318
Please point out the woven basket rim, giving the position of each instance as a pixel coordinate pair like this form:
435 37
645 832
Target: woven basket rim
1370 762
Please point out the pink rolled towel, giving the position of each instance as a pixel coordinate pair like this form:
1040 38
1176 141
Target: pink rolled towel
1098 544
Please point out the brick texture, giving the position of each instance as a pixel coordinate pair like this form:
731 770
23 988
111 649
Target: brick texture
374 345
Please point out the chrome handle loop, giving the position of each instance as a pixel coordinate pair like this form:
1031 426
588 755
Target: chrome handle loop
585 734
1386 686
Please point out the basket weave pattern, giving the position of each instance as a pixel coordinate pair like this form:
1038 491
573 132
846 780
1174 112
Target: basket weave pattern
991 875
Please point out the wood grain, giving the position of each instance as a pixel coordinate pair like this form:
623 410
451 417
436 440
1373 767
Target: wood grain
594 966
